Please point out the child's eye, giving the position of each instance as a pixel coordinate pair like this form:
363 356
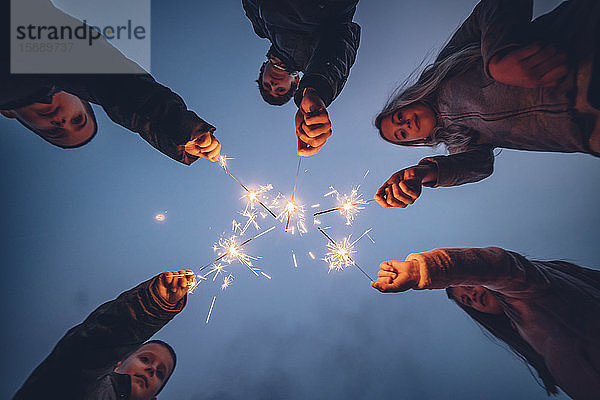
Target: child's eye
399 117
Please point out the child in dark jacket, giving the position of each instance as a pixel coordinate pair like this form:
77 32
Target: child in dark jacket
55 105
107 356
317 38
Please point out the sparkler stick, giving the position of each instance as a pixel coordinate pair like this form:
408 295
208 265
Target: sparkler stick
342 207
222 163
335 244
236 248
287 224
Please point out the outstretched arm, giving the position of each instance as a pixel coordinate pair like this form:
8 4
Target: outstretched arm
405 186
142 105
92 348
497 269
456 169
323 80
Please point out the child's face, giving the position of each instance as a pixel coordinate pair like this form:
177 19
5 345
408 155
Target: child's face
277 81
411 123
477 297
64 122
149 367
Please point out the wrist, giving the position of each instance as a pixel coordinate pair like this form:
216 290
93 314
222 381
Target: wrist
429 173
415 274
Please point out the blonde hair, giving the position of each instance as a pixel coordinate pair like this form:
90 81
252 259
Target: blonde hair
455 137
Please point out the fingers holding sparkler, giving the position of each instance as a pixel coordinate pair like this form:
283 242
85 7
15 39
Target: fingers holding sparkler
397 276
172 286
205 145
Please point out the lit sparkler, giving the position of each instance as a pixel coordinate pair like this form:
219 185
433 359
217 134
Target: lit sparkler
229 251
291 207
339 256
216 269
290 211
349 205
227 281
251 195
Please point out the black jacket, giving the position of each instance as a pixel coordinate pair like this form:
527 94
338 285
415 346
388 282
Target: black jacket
316 37
133 100
80 365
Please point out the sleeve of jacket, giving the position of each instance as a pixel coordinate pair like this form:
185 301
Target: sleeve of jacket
142 105
497 269
472 165
329 66
92 348
496 24
253 14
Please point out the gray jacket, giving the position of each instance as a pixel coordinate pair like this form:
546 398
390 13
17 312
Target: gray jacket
499 115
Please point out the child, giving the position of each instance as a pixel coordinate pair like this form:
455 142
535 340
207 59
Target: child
547 312
57 108
107 356
501 81
317 38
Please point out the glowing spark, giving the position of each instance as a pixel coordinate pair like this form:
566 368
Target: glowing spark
291 206
161 217
210 310
371 239
229 250
294 257
339 255
223 164
291 211
257 196
226 282
267 276
310 253
251 216
196 282
315 205
349 205
217 269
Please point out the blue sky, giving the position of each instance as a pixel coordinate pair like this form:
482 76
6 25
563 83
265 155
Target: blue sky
78 227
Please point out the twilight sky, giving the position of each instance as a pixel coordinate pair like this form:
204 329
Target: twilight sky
79 227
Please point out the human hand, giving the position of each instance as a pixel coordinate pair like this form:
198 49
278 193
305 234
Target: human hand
530 66
404 187
313 126
171 286
397 276
205 145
